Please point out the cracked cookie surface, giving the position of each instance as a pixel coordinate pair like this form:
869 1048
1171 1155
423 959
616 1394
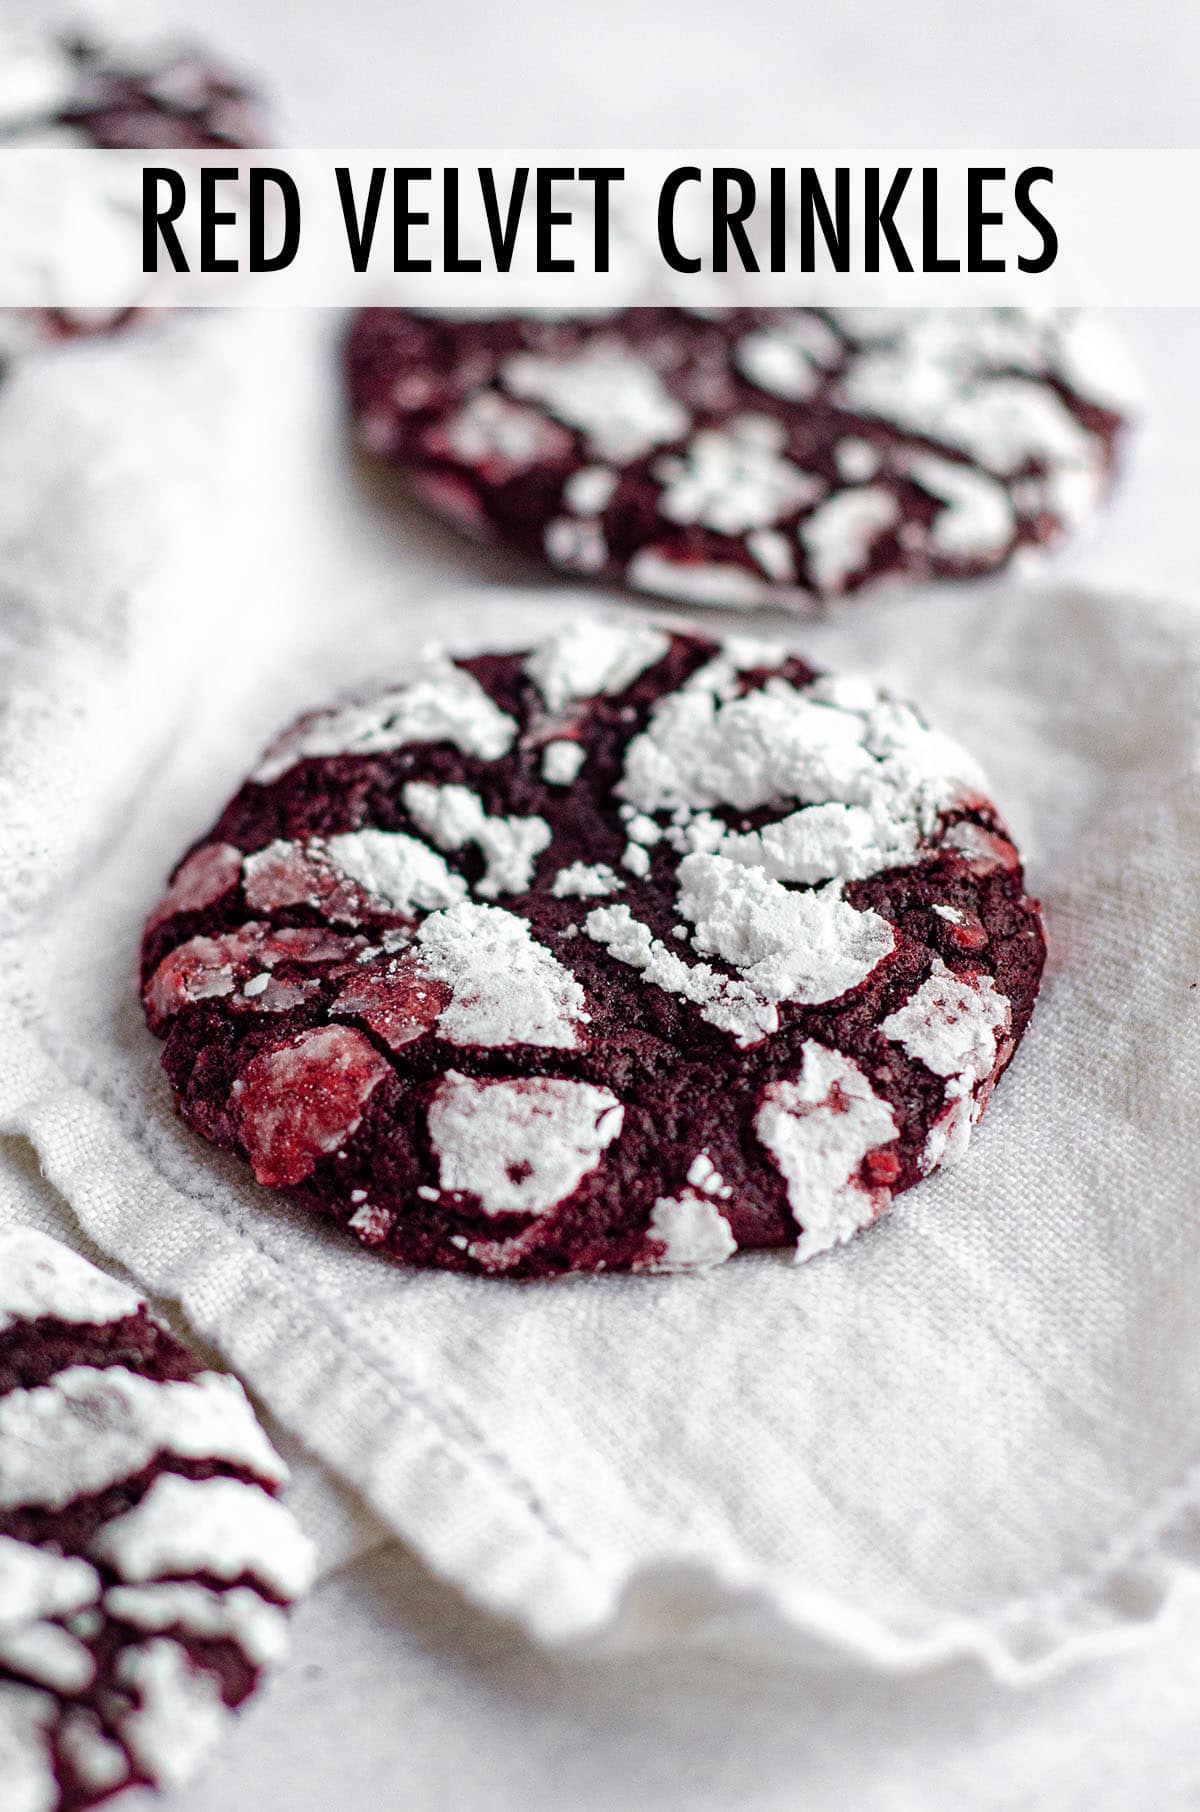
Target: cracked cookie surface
749 456
627 951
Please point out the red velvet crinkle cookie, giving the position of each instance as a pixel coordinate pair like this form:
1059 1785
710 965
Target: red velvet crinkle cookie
145 1563
89 94
748 456
627 952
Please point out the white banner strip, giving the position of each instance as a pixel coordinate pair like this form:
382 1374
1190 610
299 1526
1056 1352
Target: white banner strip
571 230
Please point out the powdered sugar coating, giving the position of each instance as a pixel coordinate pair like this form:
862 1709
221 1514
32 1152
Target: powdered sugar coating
687 1232
820 1128
40 1278
440 703
454 816
505 987
614 398
593 655
89 1428
216 1526
521 1147
750 870
952 1025
561 762
103 1418
750 456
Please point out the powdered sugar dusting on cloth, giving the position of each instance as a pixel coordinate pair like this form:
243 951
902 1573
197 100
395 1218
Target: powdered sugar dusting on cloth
108 1430
742 844
746 456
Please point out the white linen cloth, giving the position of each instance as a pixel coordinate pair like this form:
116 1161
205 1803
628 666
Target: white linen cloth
973 1430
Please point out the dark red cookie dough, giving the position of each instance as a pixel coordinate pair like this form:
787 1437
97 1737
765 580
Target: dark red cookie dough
57 91
625 953
748 456
145 1564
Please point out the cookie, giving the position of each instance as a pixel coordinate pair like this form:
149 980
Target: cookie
87 94
629 951
748 456
145 1562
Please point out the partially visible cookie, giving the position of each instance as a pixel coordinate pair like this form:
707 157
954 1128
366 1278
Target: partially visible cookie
57 92
145 1563
624 952
748 456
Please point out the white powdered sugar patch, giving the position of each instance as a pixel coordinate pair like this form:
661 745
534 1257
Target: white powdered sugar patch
734 479
877 776
562 762
257 1626
856 459
523 1146
818 1130
720 583
808 947
440 703
26 1768
952 1025
585 881
732 1006
90 1427
839 536
1093 362
37 78
704 1175
687 1233
822 843
100 1763
973 379
454 817
398 872
505 438
789 357
506 987
218 1526
976 520
38 1590
590 490
593 656
613 397
180 1715
773 551
39 1277
577 545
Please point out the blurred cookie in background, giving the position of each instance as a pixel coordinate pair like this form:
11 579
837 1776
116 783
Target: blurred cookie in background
749 457
80 93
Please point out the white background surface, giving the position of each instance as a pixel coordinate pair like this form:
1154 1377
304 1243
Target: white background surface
397 1694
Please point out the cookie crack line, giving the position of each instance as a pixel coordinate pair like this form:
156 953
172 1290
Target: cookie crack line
768 932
